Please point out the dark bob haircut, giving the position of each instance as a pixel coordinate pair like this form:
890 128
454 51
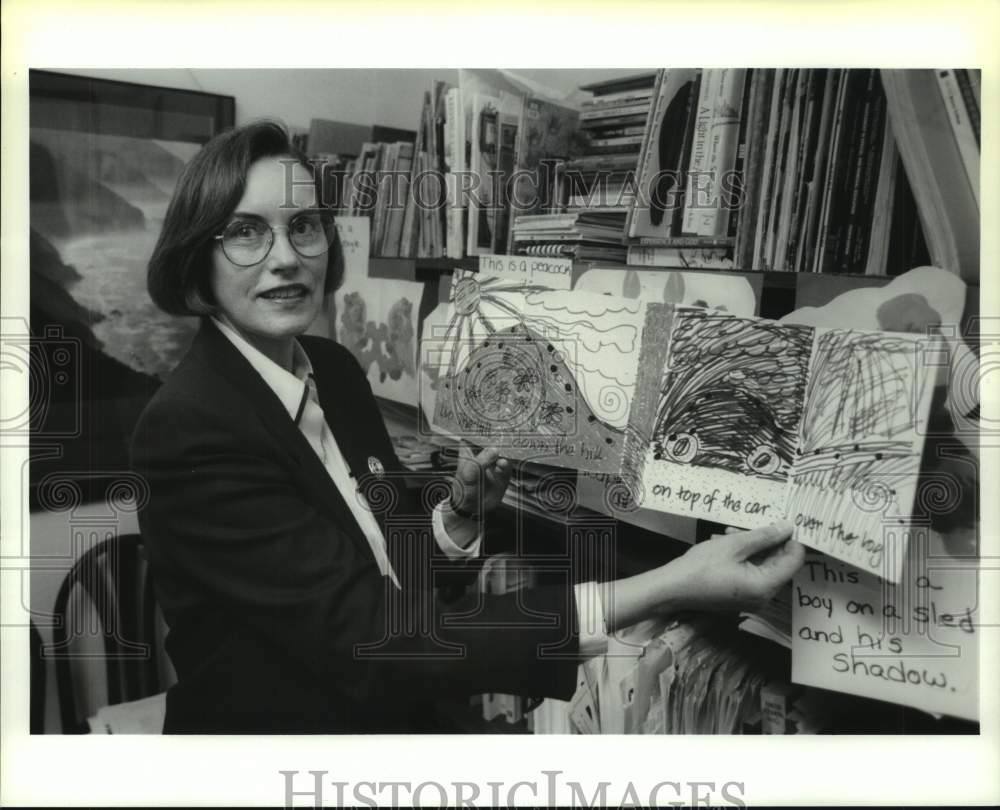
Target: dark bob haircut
207 193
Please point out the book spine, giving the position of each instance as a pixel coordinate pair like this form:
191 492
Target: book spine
686 241
732 191
546 250
860 224
694 192
878 240
961 126
723 144
792 171
760 105
684 161
807 163
767 172
619 132
627 140
620 164
619 149
399 187
615 111
381 173
601 124
408 237
645 152
780 164
814 190
833 167
965 86
855 166
621 97
453 143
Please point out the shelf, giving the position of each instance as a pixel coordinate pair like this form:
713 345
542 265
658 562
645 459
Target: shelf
394 266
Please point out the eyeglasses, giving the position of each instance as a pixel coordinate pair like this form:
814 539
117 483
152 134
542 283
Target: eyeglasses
248 240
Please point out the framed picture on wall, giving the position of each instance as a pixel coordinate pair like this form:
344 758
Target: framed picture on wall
104 159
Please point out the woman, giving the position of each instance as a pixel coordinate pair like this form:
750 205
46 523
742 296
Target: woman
295 571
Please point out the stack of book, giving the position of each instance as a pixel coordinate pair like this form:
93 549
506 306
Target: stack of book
483 155
424 230
586 235
787 170
829 182
374 184
593 191
690 167
612 122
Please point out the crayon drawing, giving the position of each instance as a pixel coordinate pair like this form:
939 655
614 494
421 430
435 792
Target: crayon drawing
733 394
545 374
714 426
860 446
376 318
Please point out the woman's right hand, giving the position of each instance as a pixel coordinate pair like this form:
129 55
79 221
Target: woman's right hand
740 570
735 571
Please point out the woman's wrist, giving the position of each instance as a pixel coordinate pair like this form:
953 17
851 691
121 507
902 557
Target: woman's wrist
632 599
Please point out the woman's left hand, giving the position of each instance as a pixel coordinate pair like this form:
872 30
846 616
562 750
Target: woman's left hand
480 480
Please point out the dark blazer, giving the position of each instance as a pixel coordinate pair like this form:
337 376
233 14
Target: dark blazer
280 621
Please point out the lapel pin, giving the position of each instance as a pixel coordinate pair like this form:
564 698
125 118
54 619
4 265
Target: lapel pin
375 467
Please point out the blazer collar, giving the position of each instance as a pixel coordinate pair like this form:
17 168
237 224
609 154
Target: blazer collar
215 350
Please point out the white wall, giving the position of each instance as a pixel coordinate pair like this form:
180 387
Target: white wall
390 97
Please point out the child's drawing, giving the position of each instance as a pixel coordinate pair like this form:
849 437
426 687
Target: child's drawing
733 394
545 374
859 451
746 421
376 318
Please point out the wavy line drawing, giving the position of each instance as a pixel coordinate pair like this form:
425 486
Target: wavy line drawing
510 372
733 394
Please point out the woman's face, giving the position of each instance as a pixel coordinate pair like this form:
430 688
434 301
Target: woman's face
270 302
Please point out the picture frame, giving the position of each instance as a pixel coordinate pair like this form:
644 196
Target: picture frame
104 157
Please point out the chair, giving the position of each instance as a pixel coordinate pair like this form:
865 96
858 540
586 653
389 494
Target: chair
107 639
36 722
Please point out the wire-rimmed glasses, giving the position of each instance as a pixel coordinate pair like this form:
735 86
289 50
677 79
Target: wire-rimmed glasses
247 240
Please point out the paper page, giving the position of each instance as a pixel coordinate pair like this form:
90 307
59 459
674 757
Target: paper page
437 336
376 318
544 375
717 416
552 274
922 301
916 643
855 473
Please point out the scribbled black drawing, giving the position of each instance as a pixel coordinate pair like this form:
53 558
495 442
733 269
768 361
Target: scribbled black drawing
733 394
861 409
860 451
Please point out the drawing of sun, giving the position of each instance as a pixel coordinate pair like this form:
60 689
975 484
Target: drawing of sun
514 362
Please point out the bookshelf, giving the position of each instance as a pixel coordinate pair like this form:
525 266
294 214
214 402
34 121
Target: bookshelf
833 171
893 190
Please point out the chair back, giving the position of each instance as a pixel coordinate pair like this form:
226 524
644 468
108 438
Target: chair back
107 639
